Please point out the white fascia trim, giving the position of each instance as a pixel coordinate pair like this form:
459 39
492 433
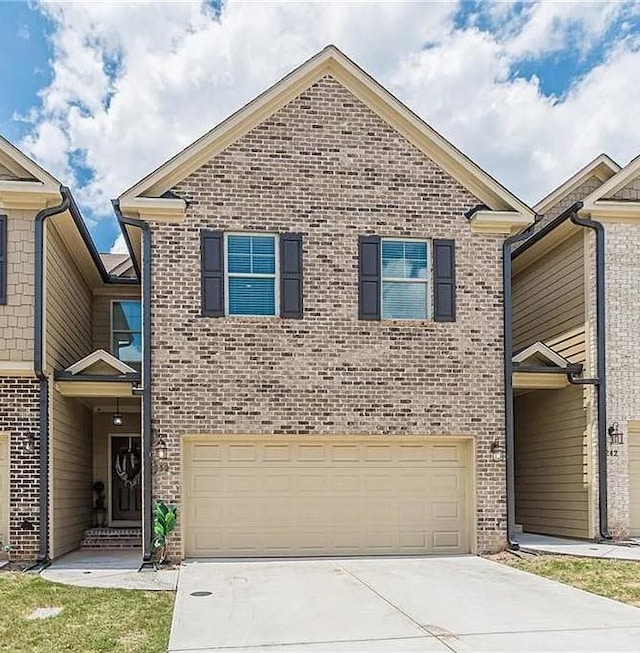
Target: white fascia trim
100 355
500 222
613 185
612 210
17 368
539 348
158 209
603 167
28 195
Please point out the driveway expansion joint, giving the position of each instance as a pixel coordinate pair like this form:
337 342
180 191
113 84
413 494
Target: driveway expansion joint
442 635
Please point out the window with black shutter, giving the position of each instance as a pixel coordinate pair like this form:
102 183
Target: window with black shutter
251 274
3 259
406 279
212 272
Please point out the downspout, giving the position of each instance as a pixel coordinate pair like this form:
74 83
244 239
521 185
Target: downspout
600 383
508 384
38 358
147 519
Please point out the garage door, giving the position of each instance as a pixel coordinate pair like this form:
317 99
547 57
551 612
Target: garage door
634 477
336 497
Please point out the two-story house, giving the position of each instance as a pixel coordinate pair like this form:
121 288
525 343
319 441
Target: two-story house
576 311
322 339
70 354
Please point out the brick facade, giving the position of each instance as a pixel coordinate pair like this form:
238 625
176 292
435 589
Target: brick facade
329 168
19 418
622 271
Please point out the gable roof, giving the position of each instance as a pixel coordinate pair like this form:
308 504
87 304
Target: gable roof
24 184
100 358
603 167
541 354
24 168
616 183
146 195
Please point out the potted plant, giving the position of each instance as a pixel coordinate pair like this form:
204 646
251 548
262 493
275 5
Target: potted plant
164 522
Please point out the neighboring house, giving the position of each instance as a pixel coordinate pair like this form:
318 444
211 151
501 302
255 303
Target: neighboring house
62 310
322 327
578 446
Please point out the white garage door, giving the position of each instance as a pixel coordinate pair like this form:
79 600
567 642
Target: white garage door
302 497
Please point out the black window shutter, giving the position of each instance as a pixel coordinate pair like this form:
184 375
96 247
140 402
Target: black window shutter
444 280
291 304
3 259
212 272
369 278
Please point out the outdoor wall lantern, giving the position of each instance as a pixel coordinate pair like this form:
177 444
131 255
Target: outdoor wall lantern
30 445
496 450
162 454
117 416
616 436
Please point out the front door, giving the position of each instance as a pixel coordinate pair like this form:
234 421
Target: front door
126 479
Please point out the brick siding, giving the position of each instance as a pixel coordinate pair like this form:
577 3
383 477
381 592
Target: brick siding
19 417
328 167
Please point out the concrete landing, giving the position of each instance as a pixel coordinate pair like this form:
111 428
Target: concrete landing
581 548
116 569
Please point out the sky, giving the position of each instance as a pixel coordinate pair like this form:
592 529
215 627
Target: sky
101 93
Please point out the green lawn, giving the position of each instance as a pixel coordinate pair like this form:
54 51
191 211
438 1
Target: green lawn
615 579
92 620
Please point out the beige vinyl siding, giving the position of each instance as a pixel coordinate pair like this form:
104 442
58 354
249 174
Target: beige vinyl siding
549 301
71 474
634 478
16 316
102 316
551 463
68 306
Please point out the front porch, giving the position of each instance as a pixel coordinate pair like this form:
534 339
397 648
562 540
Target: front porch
95 457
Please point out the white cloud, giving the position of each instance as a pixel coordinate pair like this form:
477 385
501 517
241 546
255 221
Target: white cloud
119 246
134 84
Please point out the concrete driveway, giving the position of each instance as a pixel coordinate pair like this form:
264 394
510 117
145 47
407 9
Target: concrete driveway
390 604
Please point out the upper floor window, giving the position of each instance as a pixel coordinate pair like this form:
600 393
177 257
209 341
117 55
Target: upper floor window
126 330
251 263
3 259
405 279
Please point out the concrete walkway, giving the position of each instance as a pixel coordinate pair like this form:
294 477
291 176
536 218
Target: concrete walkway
108 568
581 548
389 604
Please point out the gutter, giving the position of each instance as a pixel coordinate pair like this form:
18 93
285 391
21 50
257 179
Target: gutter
508 384
147 517
41 217
599 382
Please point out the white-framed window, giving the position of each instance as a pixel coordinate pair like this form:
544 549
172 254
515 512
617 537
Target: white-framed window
406 279
251 274
126 330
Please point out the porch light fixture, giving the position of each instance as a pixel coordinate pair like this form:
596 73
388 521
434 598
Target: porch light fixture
30 445
496 450
161 449
161 455
616 436
117 416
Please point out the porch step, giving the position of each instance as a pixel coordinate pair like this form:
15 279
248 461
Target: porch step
112 538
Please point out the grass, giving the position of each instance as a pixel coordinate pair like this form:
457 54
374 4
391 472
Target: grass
92 620
615 579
